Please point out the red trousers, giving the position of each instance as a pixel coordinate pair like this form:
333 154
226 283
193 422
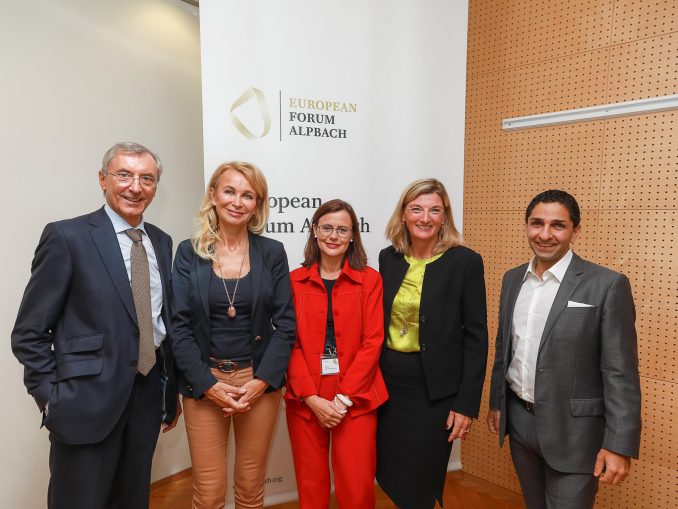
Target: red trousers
353 445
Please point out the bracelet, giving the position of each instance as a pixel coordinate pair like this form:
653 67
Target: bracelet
337 407
345 400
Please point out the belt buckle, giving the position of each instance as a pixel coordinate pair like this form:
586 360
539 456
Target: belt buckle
227 366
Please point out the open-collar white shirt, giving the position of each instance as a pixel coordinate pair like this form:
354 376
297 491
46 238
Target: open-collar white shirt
529 318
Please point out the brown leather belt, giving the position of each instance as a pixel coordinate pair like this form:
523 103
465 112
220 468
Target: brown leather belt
525 404
227 365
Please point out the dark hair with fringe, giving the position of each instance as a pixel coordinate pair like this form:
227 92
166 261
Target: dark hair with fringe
556 196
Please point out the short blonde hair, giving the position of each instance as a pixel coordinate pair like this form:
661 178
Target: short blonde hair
396 231
208 221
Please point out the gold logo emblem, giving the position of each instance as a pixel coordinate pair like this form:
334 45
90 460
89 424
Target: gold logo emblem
250 94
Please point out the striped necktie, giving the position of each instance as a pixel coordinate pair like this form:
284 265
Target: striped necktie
141 292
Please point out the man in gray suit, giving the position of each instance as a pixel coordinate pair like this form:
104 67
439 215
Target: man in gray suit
565 382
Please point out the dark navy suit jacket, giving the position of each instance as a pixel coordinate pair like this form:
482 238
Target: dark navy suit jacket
76 331
273 322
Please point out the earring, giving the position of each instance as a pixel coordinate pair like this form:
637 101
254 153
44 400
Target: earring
315 236
351 240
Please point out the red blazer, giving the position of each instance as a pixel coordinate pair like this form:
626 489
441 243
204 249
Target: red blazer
359 330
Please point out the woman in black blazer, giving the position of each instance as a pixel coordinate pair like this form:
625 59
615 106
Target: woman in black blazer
233 330
435 350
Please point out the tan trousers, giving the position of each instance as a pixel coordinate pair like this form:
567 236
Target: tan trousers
207 429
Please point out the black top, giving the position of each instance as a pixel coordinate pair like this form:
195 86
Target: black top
330 339
272 333
230 337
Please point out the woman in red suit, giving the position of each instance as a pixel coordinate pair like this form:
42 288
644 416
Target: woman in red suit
334 384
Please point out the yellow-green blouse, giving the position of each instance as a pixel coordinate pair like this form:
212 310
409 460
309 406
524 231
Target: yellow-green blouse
403 330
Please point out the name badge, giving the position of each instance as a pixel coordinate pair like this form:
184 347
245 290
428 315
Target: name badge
329 364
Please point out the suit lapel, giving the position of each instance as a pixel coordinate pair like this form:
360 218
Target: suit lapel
106 241
515 284
392 285
256 268
203 275
567 286
163 265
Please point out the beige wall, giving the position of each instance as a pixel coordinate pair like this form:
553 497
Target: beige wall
78 76
536 56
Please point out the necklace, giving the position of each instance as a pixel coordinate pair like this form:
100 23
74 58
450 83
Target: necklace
231 307
403 330
407 305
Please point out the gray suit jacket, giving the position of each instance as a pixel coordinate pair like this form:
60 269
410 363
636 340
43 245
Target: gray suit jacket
587 388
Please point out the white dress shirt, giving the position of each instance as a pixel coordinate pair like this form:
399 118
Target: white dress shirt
120 225
529 318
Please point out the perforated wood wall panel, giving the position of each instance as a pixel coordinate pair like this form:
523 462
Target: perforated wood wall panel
575 27
640 162
638 19
537 56
644 68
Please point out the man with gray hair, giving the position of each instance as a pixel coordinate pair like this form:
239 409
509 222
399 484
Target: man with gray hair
91 334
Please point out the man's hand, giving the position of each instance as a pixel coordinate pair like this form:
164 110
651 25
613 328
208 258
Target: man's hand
327 413
460 425
168 426
611 468
493 418
227 398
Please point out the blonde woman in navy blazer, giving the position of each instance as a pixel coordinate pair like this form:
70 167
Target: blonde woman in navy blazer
233 325
435 352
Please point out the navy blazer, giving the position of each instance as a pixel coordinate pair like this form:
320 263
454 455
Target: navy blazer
273 322
452 323
76 330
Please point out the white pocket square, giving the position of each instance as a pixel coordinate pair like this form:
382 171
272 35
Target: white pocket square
573 304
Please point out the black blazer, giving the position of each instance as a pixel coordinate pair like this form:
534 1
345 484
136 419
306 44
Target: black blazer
452 323
273 324
76 330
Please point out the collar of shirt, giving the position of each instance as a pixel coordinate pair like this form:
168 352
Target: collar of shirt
557 271
119 224
125 244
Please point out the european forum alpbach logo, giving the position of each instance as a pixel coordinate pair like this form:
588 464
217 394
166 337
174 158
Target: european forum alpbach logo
250 94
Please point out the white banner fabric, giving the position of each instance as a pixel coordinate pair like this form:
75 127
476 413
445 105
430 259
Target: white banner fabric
350 100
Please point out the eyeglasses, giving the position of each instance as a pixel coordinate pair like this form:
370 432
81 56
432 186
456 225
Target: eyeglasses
326 230
126 178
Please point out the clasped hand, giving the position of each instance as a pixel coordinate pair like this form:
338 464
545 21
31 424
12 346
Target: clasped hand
233 399
329 413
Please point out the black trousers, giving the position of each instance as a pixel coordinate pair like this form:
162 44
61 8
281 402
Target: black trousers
116 472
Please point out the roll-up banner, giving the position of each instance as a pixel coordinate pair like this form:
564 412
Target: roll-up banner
350 100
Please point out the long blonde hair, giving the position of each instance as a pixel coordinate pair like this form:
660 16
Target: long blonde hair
208 221
396 231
